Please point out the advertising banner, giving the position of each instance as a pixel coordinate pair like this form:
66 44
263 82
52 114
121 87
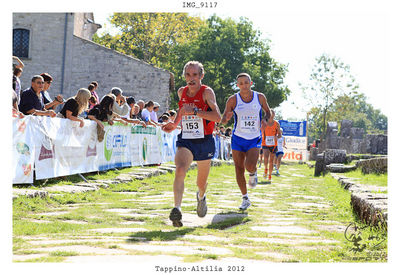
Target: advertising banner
296 142
295 155
297 129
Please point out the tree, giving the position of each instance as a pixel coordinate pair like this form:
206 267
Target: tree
335 96
150 36
227 48
224 46
329 78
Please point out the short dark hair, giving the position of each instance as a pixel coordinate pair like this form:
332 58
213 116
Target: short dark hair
243 74
46 77
17 71
149 104
164 118
130 100
116 91
91 87
36 77
94 83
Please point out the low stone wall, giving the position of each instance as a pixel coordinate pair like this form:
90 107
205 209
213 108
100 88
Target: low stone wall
366 200
375 165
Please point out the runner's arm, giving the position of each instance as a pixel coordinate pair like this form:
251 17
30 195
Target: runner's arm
228 112
264 105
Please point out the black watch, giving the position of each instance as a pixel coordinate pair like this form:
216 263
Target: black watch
195 110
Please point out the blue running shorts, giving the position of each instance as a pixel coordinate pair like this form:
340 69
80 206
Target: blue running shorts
278 153
201 148
244 145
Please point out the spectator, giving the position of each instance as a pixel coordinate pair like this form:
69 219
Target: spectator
172 115
48 103
135 112
128 118
131 103
164 114
75 106
16 75
141 104
31 101
153 114
148 108
15 110
17 72
221 131
228 132
119 107
92 90
164 119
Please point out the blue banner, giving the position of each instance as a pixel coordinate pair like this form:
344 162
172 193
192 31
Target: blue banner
297 129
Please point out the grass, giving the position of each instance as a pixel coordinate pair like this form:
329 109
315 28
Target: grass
234 233
368 179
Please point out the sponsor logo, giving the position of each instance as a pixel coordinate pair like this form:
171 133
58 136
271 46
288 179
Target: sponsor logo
22 148
46 153
108 146
293 156
144 149
91 151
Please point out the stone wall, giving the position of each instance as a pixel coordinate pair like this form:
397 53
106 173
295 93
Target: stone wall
52 38
375 165
352 139
110 68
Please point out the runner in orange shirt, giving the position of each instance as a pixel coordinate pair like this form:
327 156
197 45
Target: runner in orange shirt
269 144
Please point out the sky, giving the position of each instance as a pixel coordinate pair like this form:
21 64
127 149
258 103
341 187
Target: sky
359 38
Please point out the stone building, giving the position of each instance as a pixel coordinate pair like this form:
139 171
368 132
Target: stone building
61 45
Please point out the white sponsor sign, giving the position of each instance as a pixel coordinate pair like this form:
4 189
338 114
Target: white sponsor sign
293 142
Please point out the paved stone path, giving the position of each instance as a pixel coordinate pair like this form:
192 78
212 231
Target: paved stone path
128 241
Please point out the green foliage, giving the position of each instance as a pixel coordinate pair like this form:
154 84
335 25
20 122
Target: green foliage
150 36
224 46
334 95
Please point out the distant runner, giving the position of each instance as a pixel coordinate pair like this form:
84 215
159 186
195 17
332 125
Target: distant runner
246 106
198 112
279 153
269 144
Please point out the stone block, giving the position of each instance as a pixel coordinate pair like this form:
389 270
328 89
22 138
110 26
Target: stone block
319 165
334 156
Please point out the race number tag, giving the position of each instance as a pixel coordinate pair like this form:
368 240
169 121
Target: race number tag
248 124
269 141
192 127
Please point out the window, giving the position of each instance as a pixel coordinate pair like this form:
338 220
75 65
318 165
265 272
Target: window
21 42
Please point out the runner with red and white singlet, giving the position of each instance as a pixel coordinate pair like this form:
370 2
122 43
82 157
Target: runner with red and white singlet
197 114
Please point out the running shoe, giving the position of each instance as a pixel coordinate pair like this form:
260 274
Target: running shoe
201 206
277 173
253 180
265 175
269 177
245 204
176 216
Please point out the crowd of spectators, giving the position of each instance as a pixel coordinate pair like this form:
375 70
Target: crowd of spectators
113 106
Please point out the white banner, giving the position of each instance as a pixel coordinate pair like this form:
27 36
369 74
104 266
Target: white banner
58 147
293 142
63 148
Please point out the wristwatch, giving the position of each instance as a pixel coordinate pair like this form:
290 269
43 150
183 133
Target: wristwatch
195 110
